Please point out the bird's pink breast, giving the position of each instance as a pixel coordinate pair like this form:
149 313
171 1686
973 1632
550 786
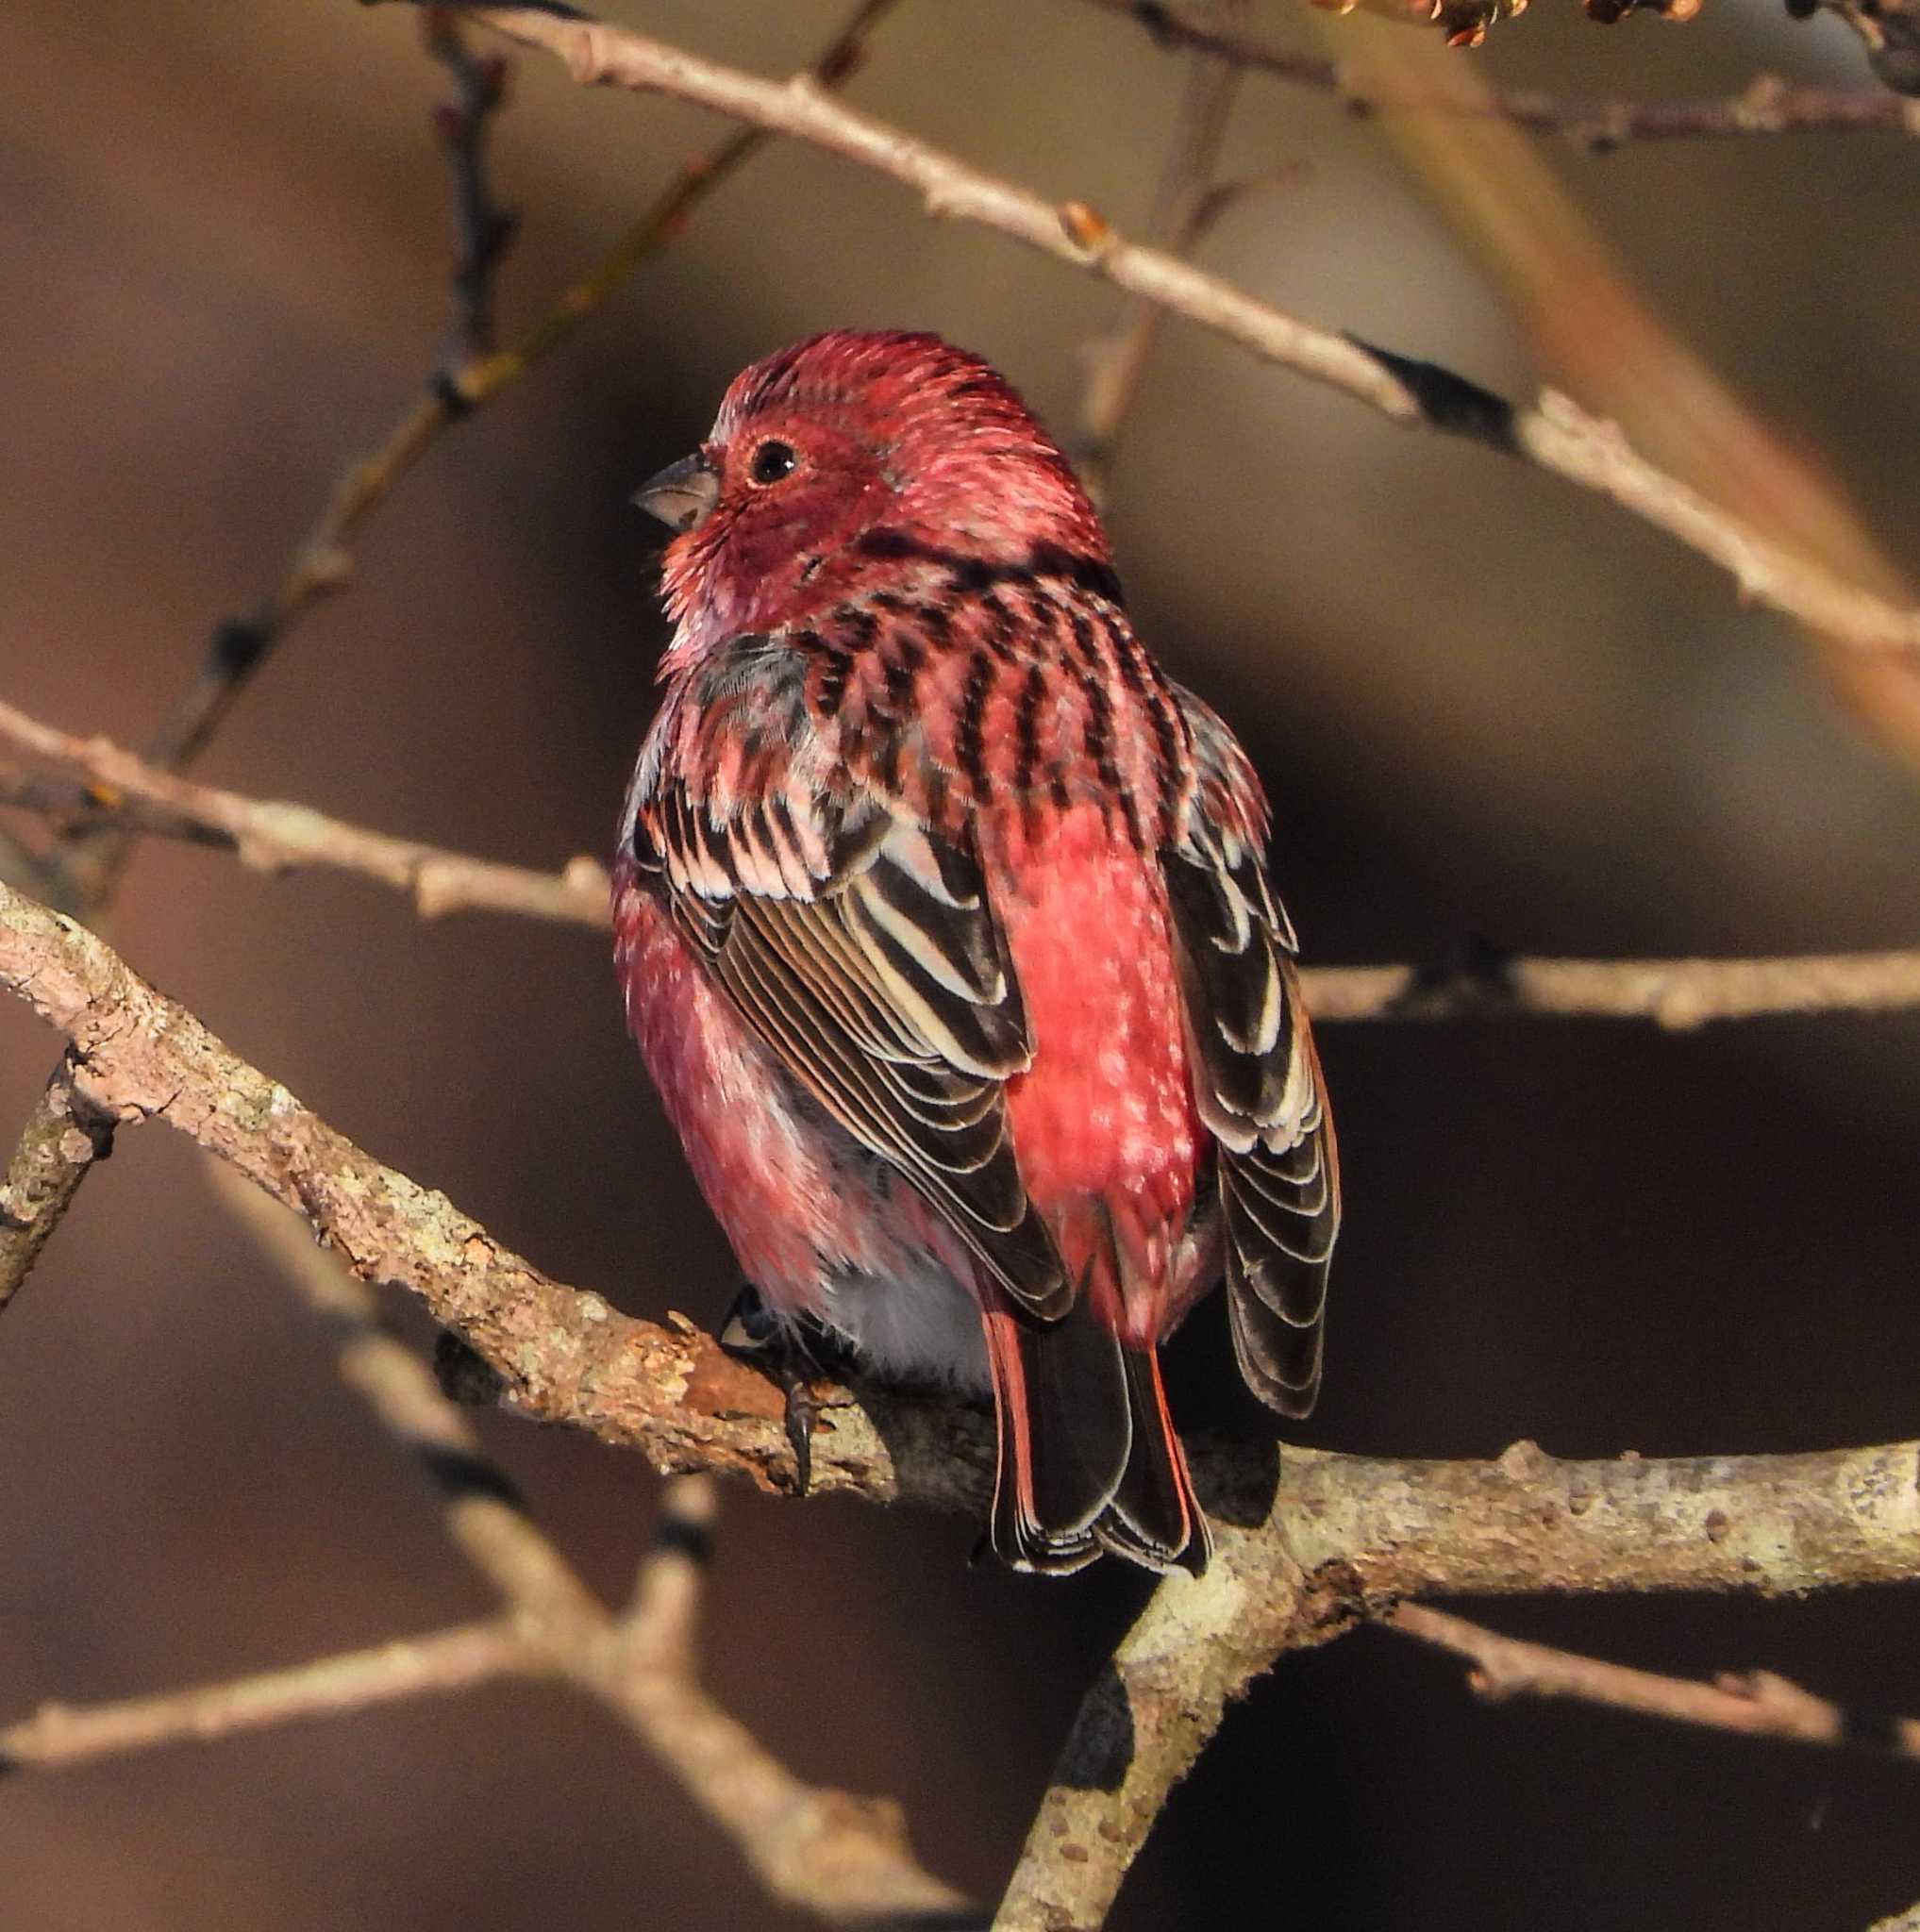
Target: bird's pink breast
802 1209
764 1172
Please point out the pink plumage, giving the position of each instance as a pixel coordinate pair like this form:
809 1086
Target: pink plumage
945 933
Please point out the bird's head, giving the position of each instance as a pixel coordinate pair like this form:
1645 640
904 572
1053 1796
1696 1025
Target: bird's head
845 451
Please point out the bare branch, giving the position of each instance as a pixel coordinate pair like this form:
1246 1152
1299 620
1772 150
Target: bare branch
1767 106
322 562
1677 994
1141 1727
663 1616
1345 1537
275 835
1117 363
847 1860
82 869
1757 1703
92 859
484 1513
482 229
1554 434
61 1735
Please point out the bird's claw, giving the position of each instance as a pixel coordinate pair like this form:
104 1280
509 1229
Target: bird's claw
752 1333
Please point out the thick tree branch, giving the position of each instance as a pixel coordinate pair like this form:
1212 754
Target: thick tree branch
1679 994
1554 434
1348 1536
1147 1718
1770 1523
1768 105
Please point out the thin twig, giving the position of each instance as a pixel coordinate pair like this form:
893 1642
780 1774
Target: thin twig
1554 434
1677 994
90 860
82 869
1766 106
482 229
62 1734
1754 1703
274 835
1117 363
322 562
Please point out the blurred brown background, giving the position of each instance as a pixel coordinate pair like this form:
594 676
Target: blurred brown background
1485 703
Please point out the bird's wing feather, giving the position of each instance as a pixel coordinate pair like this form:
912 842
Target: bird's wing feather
863 948
1255 1074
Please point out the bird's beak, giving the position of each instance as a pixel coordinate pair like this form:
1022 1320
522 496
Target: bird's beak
682 495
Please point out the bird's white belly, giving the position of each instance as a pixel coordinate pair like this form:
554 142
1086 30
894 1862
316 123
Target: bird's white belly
921 1325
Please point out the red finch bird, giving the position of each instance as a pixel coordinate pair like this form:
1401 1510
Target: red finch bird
946 932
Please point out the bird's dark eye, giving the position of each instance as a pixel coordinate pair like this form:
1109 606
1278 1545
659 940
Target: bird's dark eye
771 460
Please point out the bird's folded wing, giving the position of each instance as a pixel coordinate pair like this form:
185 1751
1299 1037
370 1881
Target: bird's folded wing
863 949
1256 1074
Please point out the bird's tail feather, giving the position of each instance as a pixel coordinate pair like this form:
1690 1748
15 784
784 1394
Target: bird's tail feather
1089 1461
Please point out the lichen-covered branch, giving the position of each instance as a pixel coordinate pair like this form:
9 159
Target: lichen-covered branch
63 1137
1554 434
